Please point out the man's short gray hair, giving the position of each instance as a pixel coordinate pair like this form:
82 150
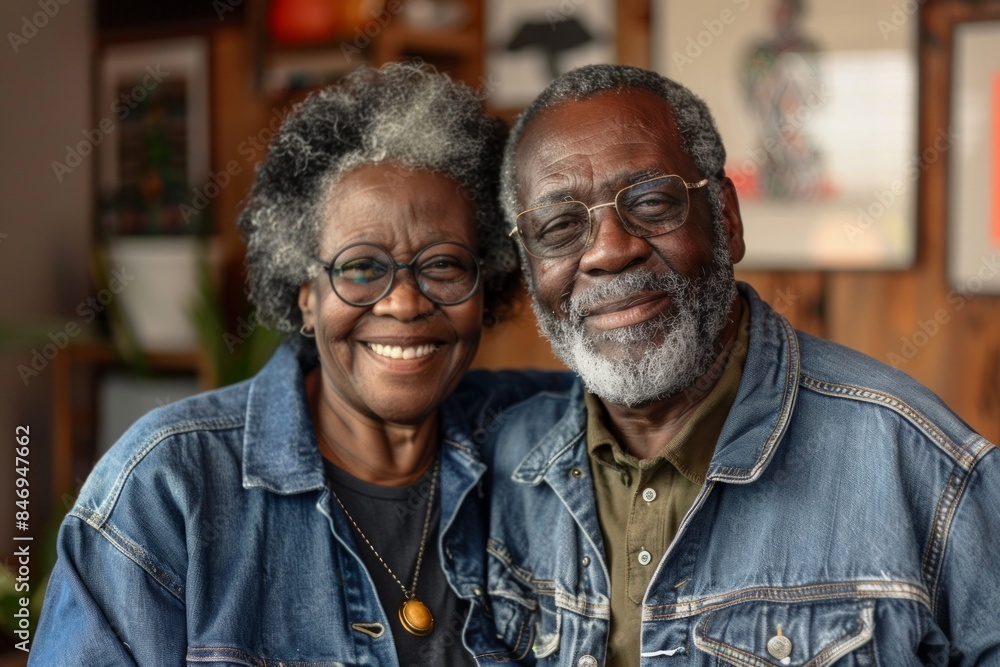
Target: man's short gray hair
403 113
699 137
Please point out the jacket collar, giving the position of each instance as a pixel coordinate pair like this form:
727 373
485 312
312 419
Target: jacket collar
558 441
759 416
765 399
279 447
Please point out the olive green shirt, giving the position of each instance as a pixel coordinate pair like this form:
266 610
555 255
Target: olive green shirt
641 503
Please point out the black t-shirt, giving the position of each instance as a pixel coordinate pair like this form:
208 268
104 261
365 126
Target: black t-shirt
392 518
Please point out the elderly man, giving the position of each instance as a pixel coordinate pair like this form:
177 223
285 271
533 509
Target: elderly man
718 488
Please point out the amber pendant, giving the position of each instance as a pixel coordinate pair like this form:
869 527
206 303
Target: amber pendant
416 617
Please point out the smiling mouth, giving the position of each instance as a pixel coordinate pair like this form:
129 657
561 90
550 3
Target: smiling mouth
400 352
627 312
624 304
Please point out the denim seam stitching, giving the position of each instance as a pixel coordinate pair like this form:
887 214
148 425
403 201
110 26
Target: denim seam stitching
789 394
233 654
133 551
150 443
934 557
229 653
832 591
721 650
897 405
498 551
588 609
833 651
538 474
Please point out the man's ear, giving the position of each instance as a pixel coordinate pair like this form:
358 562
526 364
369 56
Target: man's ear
734 222
308 303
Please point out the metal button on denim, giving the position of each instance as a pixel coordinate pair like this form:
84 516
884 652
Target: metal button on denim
780 647
645 557
649 494
576 472
585 560
586 661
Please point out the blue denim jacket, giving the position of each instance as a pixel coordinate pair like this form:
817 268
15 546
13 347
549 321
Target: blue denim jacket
844 504
206 535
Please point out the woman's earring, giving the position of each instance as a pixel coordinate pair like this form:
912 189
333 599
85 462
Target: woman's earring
307 332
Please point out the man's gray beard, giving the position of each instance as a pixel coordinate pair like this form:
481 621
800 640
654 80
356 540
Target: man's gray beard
645 371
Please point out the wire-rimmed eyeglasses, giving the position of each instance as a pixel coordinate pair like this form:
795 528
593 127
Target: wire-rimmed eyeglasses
445 272
649 208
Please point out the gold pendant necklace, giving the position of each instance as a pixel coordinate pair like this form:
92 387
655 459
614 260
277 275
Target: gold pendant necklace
414 615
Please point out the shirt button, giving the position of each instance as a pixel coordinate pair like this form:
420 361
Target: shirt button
585 560
576 472
649 495
645 557
586 661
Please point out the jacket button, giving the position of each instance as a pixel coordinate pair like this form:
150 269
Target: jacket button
585 560
780 647
649 495
586 661
576 472
645 557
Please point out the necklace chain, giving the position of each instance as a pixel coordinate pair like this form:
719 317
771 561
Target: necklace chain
412 592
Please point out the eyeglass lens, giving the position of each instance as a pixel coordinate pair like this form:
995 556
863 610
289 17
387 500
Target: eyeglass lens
446 273
651 208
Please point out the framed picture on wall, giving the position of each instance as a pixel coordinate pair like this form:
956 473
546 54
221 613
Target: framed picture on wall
153 120
974 166
816 103
530 42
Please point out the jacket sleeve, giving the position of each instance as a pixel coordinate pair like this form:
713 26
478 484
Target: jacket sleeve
969 590
102 608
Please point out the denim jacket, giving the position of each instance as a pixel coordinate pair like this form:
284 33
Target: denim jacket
205 535
845 505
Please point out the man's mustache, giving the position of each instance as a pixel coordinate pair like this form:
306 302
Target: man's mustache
620 288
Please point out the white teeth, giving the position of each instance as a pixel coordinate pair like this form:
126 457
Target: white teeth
398 352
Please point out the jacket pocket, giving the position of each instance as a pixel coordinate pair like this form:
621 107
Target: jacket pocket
548 621
524 608
770 634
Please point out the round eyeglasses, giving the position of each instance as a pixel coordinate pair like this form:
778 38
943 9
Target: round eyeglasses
447 273
646 209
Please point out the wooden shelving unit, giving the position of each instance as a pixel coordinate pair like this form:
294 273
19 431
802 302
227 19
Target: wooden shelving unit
76 373
385 38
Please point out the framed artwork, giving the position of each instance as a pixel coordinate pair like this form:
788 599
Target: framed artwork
530 42
152 123
817 106
974 165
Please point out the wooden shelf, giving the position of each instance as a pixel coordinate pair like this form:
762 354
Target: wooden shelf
75 411
459 52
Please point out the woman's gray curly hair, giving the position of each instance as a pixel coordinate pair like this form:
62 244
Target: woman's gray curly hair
698 134
402 113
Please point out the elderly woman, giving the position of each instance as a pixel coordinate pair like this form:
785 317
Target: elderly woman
326 512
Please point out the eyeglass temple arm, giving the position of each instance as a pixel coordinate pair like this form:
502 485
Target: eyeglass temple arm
692 186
